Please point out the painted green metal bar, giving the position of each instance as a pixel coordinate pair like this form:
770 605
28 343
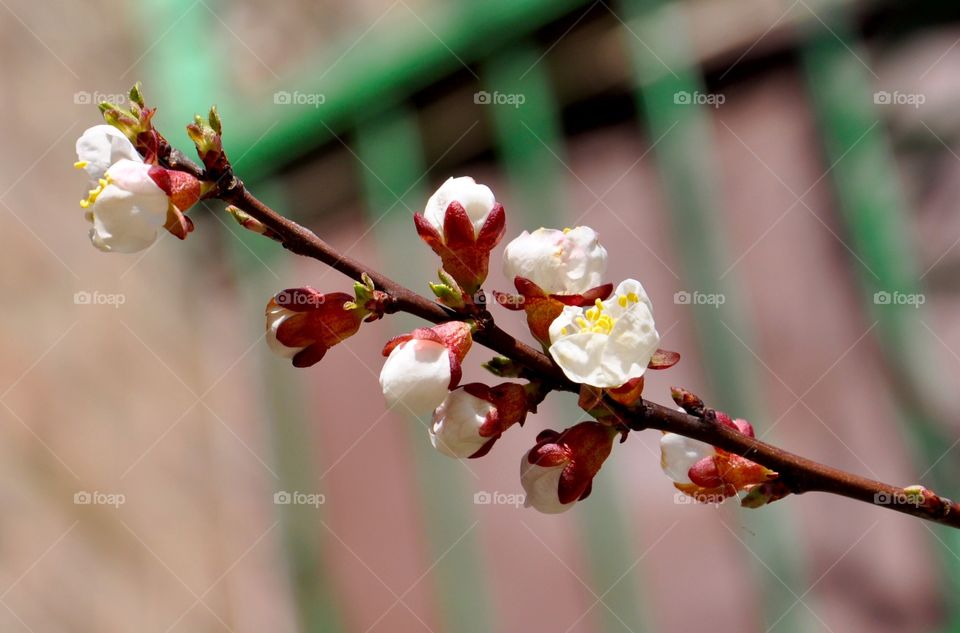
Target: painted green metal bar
411 51
393 174
183 79
665 70
528 136
314 593
874 211
530 146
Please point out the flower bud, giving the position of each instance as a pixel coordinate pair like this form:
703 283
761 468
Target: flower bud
474 416
570 261
678 454
706 473
302 324
422 366
559 470
462 223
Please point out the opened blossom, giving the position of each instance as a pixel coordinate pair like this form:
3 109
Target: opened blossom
474 416
130 200
422 366
559 470
608 344
462 222
570 261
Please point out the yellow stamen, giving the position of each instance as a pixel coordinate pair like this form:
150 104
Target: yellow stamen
630 297
80 164
94 193
567 230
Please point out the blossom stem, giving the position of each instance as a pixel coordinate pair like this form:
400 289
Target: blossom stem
797 474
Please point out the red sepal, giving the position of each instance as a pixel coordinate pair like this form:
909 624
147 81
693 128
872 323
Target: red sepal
581 449
663 359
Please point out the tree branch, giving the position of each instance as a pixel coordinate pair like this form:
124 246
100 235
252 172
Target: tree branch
797 474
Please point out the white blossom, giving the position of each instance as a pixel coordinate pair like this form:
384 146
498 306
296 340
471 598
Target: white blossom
570 261
608 344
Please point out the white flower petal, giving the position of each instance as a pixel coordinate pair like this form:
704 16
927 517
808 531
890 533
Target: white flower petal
455 430
127 221
477 200
100 147
276 315
678 454
542 487
560 262
631 344
416 374
581 356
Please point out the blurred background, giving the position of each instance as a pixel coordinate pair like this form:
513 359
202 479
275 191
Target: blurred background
781 175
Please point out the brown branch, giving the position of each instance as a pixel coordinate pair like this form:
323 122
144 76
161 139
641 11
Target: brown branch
797 474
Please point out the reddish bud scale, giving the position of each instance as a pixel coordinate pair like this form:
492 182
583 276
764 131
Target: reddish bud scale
582 449
183 191
320 322
182 188
464 253
510 407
